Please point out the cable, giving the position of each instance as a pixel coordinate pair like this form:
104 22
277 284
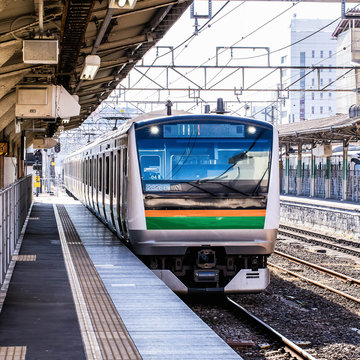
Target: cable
182 43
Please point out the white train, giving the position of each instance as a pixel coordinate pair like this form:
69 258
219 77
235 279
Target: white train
196 197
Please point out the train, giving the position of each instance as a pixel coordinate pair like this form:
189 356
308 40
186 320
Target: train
195 197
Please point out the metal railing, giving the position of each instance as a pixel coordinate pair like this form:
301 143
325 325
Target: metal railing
15 201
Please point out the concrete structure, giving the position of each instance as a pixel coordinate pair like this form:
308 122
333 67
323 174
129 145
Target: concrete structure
318 50
347 34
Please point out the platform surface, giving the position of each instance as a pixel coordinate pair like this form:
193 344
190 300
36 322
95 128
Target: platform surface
39 314
329 203
160 324
43 317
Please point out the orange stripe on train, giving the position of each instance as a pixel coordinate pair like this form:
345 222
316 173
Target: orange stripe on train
215 213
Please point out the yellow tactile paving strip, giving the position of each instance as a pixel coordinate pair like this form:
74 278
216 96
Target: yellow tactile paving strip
12 352
24 258
112 336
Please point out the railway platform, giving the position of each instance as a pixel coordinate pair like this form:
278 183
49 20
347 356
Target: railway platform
74 291
339 218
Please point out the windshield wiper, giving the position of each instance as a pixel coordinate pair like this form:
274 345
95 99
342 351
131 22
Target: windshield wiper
195 185
256 188
225 185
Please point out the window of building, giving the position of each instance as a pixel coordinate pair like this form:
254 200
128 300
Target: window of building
330 70
313 110
321 109
283 72
321 70
313 53
330 80
312 82
330 109
321 82
321 53
330 53
312 96
321 96
283 58
330 94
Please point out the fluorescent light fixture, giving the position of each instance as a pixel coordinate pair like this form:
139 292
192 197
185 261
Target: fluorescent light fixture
122 4
91 67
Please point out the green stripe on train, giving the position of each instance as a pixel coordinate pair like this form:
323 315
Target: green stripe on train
197 222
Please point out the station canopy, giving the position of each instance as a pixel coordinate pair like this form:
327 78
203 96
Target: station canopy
118 32
335 129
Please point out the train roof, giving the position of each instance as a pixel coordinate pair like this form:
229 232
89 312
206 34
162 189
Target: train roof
154 116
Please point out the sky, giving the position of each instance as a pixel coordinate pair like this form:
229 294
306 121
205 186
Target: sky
233 26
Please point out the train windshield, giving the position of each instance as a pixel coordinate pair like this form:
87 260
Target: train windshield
205 157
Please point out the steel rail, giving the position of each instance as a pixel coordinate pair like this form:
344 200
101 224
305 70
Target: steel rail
320 235
318 267
323 242
350 297
294 349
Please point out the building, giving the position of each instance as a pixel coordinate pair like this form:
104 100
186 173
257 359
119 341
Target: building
347 34
315 50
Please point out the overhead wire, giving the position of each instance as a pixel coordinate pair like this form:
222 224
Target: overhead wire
190 38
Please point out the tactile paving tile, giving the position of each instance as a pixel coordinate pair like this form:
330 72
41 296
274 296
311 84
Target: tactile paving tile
111 333
24 258
12 352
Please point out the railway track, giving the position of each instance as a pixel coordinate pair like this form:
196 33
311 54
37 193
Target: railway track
286 347
331 242
322 269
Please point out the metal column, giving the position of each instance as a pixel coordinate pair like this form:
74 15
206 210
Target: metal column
299 171
312 171
345 171
328 177
287 163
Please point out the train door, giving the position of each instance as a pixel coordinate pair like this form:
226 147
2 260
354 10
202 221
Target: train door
123 191
97 207
83 164
107 188
91 181
100 186
116 204
112 185
87 182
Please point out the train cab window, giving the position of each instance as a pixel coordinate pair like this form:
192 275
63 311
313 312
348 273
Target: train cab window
205 157
107 175
151 166
100 173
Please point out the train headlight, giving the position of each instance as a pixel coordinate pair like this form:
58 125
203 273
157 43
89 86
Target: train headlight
251 130
154 130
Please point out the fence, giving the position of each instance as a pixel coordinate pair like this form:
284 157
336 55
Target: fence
336 183
15 201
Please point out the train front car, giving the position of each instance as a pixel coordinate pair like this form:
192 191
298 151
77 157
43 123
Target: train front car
203 200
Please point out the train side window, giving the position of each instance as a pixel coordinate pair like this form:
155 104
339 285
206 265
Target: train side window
86 171
125 162
114 174
107 175
100 173
91 174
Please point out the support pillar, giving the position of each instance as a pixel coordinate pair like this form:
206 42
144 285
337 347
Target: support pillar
299 171
312 172
287 164
345 171
328 177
